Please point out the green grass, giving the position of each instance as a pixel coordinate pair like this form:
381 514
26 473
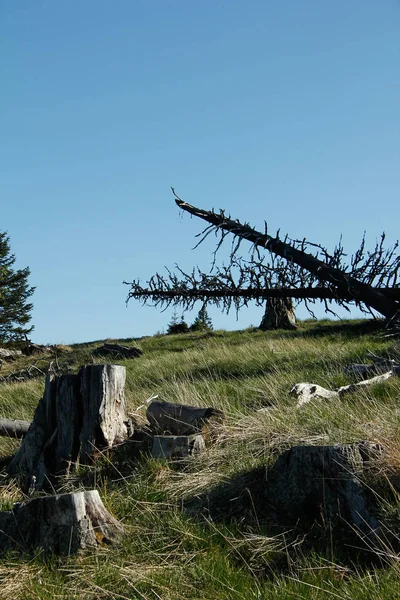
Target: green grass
180 543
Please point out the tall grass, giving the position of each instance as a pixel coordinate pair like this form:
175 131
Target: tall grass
176 546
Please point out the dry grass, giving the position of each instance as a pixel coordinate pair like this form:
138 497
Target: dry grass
173 550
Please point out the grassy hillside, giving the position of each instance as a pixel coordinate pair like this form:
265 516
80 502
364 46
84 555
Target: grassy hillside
185 540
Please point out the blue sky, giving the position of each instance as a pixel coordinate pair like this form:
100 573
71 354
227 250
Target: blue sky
279 111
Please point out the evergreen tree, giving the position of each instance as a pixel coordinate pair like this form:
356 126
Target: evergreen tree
176 326
14 294
203 321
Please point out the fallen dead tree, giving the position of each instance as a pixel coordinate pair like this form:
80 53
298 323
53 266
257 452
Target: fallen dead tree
30 372
295 269
64 524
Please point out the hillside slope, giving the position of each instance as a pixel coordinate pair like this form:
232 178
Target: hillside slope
185 541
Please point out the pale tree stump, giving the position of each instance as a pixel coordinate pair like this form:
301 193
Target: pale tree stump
78 415
64 524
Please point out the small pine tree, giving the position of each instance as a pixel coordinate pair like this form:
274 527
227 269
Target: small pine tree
14 293
202 322
176 326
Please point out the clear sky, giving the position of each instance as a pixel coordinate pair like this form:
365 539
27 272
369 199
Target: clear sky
285 111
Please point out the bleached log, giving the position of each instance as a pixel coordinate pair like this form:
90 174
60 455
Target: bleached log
305 392
14 428
347 389
63 524
78 415
179 419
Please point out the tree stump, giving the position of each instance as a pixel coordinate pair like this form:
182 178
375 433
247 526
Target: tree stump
63 524
78 415
279 314
314 483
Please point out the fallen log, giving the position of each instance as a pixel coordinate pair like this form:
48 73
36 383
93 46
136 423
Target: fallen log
179 419
30 372
14 428
77 416
64 524
380 367
116 350
305 392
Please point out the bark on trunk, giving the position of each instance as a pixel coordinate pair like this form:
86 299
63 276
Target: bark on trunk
341 281
279 314
63 524
77 415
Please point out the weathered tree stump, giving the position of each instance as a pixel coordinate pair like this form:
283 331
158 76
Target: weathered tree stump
179 419
310 483
78 415
63 524
279 314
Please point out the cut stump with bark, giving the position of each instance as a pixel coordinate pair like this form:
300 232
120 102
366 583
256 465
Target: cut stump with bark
64 524
77 416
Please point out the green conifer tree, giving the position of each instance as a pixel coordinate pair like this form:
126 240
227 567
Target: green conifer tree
15 310
203 321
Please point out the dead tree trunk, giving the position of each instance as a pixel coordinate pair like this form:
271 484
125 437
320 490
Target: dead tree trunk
342 282
279 314
77 415
63 524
